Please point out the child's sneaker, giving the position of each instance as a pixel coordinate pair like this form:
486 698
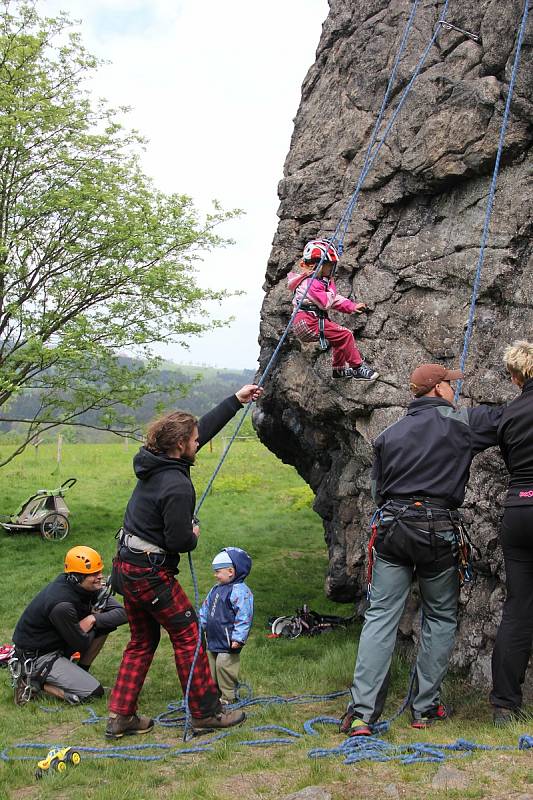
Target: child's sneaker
342 372
364 373
432 715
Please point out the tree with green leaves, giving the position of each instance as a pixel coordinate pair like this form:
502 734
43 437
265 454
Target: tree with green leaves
94 260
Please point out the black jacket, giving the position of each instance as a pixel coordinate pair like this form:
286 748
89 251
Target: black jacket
50 622
515 437
161 507
429 451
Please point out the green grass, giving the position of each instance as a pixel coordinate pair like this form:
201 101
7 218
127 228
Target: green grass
261 505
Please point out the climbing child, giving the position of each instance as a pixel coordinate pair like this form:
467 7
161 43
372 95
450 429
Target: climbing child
226 617
312 323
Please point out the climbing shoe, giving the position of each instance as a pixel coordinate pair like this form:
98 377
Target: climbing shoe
346 720
359 728
222 718
342 372
432 715
119 725
501 717
353 726
364 373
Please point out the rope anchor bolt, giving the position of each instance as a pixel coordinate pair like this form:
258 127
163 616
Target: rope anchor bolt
449 27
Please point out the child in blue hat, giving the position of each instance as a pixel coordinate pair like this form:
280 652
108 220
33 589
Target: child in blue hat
226 617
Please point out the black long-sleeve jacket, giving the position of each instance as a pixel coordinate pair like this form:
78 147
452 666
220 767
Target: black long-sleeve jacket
50 623
515 437
161 507
430 450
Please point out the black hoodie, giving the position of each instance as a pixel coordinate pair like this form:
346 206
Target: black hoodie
161 507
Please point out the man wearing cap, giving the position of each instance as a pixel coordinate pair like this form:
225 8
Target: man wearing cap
419 476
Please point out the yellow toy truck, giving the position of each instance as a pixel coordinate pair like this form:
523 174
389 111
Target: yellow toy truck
57 759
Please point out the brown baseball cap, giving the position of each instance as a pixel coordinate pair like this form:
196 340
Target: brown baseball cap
425 377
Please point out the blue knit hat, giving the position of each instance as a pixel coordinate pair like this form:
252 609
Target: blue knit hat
222 560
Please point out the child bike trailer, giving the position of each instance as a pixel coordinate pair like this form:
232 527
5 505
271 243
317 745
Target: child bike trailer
45 512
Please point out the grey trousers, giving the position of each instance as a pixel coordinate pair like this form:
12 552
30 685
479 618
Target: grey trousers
67 675
225 671
390 587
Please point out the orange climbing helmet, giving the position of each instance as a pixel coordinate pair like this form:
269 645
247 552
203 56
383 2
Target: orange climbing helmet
320 250
83 560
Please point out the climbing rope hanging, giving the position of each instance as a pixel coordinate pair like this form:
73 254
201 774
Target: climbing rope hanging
340 232
337 240
490 200
342 227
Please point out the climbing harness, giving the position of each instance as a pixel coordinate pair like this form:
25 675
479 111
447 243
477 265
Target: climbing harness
308 623
322 315
26 678
391 512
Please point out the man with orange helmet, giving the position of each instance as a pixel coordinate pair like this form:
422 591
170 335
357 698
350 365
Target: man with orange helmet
67 616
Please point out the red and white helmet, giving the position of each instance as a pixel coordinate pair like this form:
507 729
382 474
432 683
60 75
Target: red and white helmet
320 250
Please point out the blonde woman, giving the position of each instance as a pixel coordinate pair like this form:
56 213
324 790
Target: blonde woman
512 648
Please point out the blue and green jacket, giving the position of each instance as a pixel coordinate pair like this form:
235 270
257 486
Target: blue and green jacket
227 612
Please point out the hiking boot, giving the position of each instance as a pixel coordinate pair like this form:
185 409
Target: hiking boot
223 718
432 715
501 717
342 372
119 725
364 373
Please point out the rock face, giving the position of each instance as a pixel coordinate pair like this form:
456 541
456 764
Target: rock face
411 252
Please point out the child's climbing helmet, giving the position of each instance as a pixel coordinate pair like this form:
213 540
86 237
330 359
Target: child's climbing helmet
320 249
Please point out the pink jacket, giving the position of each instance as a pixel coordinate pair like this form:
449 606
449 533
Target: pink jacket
322 292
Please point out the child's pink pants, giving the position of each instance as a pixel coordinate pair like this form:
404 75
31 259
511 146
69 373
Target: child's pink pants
305 326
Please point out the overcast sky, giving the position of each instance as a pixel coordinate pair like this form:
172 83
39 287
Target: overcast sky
214 86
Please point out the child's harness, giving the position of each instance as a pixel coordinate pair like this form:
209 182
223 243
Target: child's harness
322 315
438 517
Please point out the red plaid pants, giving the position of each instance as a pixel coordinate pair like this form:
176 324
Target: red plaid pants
153 600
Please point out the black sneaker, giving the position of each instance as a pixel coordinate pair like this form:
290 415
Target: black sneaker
342 372
364 373
432 715
501 717
71 698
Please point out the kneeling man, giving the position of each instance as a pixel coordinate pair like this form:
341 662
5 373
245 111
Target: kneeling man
67 616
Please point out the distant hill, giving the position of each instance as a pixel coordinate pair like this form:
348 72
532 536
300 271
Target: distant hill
202 388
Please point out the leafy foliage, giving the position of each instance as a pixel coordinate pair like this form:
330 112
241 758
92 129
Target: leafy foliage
94 260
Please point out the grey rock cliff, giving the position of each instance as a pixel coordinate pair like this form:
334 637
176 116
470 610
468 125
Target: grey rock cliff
410 252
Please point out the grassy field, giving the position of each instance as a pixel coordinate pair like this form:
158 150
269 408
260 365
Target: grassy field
261 505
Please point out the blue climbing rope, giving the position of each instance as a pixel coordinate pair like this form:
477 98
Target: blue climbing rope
345 219
353 750
490 200
370 748
369 160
